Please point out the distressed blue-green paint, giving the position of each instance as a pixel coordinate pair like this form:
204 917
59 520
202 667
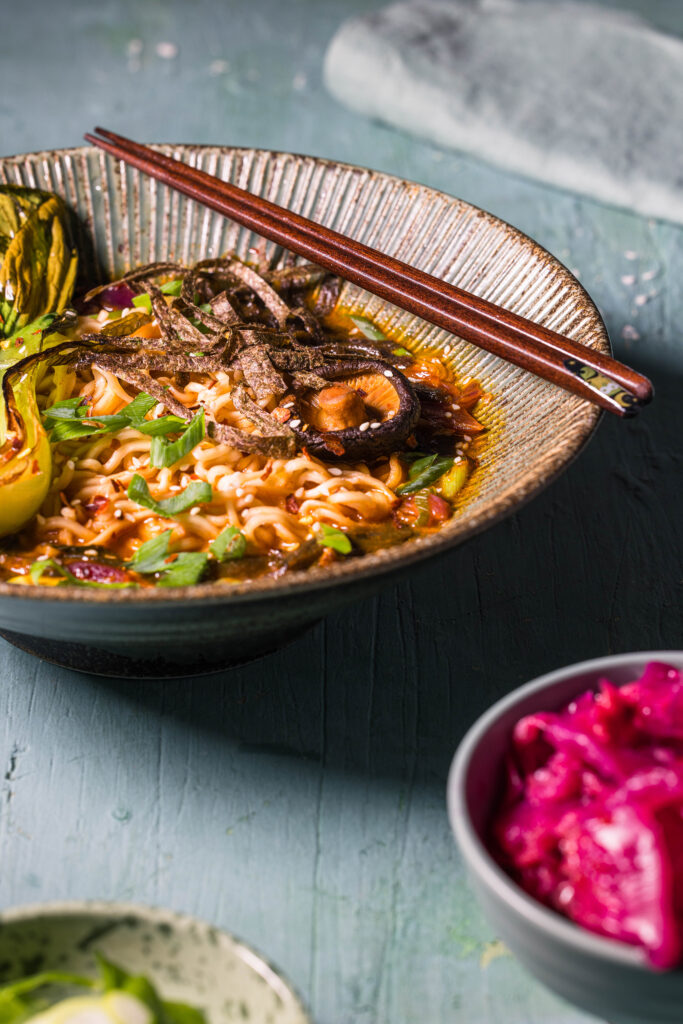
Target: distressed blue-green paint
299 801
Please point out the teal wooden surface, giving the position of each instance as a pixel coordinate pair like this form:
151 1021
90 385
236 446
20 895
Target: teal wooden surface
300 801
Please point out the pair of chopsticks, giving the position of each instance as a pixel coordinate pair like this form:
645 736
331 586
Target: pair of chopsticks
566 363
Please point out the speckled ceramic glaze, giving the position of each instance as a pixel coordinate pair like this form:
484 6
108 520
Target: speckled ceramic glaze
187 960
610 979
534 428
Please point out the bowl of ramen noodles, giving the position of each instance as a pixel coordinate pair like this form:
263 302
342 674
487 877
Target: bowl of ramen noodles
207 444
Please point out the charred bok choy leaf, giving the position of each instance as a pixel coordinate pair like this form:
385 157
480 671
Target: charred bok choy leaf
38 266
38 261
116 996
25 454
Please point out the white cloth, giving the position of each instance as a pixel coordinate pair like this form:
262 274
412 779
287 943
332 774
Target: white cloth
584 98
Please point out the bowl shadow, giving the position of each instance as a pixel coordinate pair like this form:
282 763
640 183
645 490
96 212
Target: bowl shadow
388 686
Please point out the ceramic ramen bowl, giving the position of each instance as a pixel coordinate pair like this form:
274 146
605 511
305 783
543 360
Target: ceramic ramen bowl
534 429
610 979
187 960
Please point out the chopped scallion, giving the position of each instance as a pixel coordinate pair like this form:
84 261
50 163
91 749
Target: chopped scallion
186 568
229 544
331 537
198 492
165 453
366 327
143 301
425 471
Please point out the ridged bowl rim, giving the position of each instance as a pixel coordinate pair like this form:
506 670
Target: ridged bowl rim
387 560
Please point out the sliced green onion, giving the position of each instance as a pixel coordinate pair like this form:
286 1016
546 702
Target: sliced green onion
186 569
402 352
454 480
69 419
425 471
229 544
422 505
198 492
173 287
164 425
139 407
69 409
369 329
143 302
151 556
331 537
165 453
69 430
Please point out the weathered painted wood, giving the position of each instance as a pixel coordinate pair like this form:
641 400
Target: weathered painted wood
300 801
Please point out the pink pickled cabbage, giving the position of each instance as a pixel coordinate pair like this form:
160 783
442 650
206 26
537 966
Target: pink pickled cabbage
591 820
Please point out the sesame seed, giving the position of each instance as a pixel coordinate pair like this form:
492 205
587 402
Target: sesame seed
364 426
449 415
455 408
70 464
239 492
90 551
295 423
466 437
118 514
388 373
446 350
195 511
167 51
375 425
334 471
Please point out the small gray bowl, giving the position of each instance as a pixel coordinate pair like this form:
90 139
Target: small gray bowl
608 978
186 959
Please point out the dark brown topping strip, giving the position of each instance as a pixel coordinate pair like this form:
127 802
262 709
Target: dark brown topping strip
279 349
260 374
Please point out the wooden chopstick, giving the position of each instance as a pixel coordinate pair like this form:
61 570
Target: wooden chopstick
574 367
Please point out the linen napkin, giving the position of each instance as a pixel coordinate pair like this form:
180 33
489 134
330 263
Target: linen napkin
585 98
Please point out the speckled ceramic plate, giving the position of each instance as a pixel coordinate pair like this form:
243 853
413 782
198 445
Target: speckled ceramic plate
535 429
187 960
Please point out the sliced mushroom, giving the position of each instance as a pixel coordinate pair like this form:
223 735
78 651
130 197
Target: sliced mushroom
334 407
370 389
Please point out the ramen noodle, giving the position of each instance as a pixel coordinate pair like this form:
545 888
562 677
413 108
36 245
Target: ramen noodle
221 423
